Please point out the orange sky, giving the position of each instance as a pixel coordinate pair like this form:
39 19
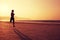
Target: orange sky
32 9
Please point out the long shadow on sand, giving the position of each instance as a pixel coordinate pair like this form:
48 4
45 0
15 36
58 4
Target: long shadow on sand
21 35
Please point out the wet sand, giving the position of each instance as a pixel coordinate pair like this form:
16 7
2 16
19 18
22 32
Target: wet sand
29 31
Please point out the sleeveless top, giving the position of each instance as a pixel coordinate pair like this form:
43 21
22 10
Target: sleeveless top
12 15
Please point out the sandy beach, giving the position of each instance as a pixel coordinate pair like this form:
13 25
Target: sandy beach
29 31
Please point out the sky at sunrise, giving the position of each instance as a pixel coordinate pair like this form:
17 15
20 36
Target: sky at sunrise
31 9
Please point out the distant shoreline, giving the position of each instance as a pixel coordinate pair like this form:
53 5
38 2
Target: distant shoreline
32 21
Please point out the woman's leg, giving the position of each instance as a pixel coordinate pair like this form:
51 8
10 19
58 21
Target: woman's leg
13 21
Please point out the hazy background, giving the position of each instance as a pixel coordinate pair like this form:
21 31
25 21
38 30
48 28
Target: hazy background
31 9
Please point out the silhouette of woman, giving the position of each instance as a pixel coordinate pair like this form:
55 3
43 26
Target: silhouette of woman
12 16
